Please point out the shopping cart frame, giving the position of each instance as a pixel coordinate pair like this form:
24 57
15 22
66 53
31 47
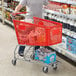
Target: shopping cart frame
45 68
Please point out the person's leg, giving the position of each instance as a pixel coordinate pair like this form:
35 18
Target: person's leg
21 50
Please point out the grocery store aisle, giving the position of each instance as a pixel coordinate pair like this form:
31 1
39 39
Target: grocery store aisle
7 44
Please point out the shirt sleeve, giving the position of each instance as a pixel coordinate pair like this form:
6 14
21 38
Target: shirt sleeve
23 2
45 2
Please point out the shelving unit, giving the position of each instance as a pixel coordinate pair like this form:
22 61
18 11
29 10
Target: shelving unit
48 13
61 14
4 7
65 1
64 52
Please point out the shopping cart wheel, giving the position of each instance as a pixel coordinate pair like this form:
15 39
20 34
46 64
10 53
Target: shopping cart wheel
45 69
54 66
14 62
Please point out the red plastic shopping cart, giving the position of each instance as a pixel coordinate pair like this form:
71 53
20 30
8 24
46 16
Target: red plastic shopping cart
39 33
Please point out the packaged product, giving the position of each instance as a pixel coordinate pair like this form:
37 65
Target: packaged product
7 15
55 6
73 9
65 8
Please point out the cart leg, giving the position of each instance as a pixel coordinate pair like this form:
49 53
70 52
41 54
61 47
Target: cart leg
54 65
28 52
15 59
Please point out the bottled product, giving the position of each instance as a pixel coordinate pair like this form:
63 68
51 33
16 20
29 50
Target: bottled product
72 27
65 8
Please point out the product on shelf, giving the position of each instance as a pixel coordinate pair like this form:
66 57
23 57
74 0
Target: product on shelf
64 42
9 3
12 5
71 44
65 8
71 48
7 15
73 9
55 6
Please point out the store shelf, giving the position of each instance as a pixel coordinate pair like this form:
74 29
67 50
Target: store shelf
69 33
9 9
60 14
64 52
65 1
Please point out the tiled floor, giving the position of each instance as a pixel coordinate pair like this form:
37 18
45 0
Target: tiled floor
7 44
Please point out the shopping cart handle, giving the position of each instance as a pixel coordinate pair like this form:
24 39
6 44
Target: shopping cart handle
19 13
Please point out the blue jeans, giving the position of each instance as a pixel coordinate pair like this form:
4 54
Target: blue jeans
21 48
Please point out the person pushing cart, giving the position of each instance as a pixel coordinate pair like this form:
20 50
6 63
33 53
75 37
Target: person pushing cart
34 9
35 31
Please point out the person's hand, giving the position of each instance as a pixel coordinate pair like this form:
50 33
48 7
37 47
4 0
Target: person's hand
14 13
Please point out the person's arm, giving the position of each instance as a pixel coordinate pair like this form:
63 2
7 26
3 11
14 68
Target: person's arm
17 9
20 5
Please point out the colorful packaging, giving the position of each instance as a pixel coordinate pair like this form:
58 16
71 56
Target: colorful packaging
65 8
55 6
71 48
73 9
45 57
71 45
71 41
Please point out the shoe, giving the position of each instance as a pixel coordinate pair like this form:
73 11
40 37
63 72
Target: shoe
21 50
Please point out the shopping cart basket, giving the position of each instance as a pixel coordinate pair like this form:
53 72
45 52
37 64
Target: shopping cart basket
39 33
